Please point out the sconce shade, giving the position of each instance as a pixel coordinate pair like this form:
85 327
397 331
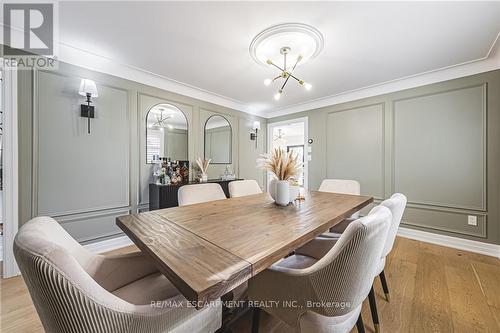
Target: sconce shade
256 125
88 87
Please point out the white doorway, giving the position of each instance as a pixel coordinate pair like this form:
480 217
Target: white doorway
291 135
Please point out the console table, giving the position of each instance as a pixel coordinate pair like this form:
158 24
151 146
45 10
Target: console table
165 196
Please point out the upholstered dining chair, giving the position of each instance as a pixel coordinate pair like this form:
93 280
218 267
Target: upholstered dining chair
396 204
76 291
323 290
343 186
198 193
241 188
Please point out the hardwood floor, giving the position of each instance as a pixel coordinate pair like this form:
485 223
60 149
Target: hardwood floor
433 289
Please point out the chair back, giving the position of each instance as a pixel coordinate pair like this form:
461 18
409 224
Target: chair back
343 186
198 193
396 204
56 270
346 272
241 188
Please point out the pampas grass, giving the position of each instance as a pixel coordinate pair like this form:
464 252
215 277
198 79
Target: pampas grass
283 165
203 164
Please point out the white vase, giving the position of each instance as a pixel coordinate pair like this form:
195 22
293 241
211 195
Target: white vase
203 178
272 188
282 192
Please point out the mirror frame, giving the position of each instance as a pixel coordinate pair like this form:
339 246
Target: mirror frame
146 132
230 141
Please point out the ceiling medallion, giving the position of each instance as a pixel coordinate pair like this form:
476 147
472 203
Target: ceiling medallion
296 41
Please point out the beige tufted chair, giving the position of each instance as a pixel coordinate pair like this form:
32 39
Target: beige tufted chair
325 289
241 188
198 193
76 291
396 204
344 186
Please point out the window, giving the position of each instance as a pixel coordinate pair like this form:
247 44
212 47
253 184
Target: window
154 143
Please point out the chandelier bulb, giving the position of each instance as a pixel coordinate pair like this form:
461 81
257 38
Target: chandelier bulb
308 86
267 82
277 96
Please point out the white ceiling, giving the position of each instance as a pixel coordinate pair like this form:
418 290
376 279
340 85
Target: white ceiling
205 45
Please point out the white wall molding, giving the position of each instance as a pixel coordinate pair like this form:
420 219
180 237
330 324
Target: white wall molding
109 244
488 63
92 61
453 242
89 60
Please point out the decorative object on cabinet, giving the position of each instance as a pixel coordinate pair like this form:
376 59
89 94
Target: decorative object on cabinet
88 89
203 166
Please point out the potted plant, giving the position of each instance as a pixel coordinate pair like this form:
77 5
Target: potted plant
284 167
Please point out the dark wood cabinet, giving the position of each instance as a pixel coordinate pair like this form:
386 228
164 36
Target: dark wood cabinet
165 196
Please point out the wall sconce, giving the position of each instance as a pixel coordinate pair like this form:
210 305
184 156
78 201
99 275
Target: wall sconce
256 128
89 90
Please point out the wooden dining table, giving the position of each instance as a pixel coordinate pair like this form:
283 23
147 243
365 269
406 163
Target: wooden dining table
208 249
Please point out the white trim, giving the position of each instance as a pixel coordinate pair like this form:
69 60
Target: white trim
304 120
86 59
1 246
10 170
92 61
488 63
109 244
453 242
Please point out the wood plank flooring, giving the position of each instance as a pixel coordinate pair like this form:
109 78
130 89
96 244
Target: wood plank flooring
433 289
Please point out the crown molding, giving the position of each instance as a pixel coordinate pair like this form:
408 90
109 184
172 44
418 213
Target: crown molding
488 63
89 60
99 63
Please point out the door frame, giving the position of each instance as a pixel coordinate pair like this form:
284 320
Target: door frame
10 210
305 121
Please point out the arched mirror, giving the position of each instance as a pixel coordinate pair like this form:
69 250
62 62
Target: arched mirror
218 139
166 133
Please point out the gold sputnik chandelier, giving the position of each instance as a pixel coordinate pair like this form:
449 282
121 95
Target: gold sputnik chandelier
286 73
295 43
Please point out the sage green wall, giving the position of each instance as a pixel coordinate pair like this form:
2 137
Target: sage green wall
439 144
86 181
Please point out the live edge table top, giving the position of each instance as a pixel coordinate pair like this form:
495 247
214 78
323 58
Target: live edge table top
208 249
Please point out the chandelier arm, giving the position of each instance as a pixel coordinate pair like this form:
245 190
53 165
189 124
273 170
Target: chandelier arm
277 77
284 83
278 67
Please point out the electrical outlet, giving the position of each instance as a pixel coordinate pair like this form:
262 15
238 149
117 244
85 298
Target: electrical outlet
472 220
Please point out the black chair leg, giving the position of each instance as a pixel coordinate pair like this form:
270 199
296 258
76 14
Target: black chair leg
373 309
359 324
384 286
255 320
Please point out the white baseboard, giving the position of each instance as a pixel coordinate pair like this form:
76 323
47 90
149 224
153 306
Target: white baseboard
424 236
454 242
109 244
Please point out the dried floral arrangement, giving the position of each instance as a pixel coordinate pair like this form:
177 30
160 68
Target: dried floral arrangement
203 164
283 165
